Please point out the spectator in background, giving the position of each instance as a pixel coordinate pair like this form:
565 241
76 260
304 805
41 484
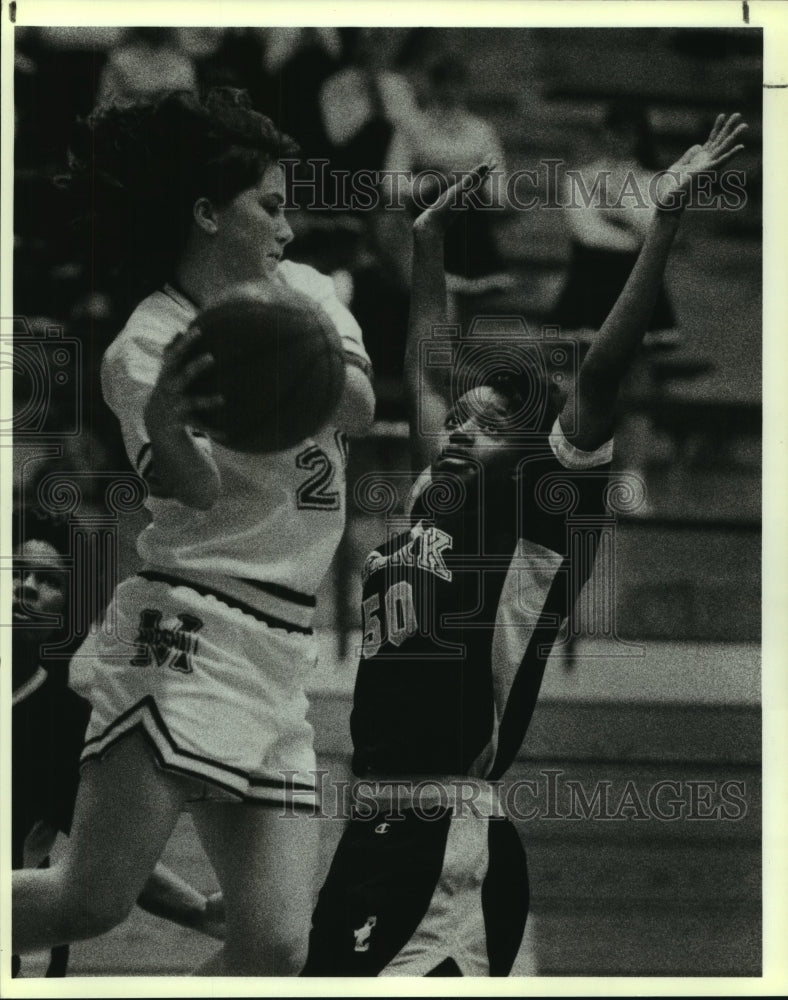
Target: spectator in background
364 100
606 241
49 721
360 105
296 61
55 81
443 135
146 65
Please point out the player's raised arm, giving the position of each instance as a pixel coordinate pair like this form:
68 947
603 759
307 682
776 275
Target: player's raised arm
615 346
427 390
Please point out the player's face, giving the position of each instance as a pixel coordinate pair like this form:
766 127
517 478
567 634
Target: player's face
475 435
39 589
252 230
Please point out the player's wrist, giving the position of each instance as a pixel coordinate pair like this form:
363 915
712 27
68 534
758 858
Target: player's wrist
164 423
428 228
670 204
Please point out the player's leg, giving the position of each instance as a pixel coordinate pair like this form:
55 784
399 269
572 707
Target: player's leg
505 896
378 892
125 811
58 962
266 865
448 967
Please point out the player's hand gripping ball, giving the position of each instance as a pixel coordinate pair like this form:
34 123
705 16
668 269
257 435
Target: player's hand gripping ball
278 362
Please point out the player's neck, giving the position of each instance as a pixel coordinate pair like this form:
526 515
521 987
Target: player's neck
191 282
199 276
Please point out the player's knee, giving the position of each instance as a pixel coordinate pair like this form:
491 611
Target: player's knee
289 956
102 915
87 914
276 956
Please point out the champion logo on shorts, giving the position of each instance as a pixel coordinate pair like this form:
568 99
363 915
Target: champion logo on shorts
363 934
383 828
171 645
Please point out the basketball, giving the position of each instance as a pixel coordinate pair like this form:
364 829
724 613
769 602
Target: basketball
279 364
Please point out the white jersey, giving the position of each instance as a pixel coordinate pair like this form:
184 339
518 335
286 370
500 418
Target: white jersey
271 535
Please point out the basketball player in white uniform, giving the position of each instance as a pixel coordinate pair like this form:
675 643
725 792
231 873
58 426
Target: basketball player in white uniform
197 678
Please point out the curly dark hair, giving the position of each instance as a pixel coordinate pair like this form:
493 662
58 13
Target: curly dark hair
135 174
533 398
34 524
532 395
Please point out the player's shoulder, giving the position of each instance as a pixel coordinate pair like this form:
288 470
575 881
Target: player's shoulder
158 317
148 330
306 279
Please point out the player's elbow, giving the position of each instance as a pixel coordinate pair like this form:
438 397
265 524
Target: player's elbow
202 497
356 409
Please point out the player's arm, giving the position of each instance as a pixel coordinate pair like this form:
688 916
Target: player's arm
167 895
356 407
181 465
427 388
615 346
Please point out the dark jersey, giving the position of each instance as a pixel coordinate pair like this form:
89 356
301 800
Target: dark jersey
48 731
462 607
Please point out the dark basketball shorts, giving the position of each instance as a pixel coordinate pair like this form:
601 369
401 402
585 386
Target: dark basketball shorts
406 896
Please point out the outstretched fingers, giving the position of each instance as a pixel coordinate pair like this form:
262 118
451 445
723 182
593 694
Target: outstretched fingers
716 128
204 404
192 370
458 193
181 365
729 154
181 346
733 137
728 125
727 144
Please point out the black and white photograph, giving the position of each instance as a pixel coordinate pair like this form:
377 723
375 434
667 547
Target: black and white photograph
384 584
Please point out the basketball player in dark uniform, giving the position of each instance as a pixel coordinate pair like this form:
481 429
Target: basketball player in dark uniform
461 607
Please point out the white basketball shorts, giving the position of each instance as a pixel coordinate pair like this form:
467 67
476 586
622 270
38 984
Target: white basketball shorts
218 692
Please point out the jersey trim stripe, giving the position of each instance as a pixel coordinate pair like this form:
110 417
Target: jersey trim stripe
144 458
279 590
524 688
251 597
145 717
30 685
351 358
179 298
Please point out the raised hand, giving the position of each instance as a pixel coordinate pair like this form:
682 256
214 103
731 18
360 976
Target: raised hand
439 216
170 404
722 145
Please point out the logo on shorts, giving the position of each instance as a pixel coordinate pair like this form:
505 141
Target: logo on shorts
169 646
362 935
